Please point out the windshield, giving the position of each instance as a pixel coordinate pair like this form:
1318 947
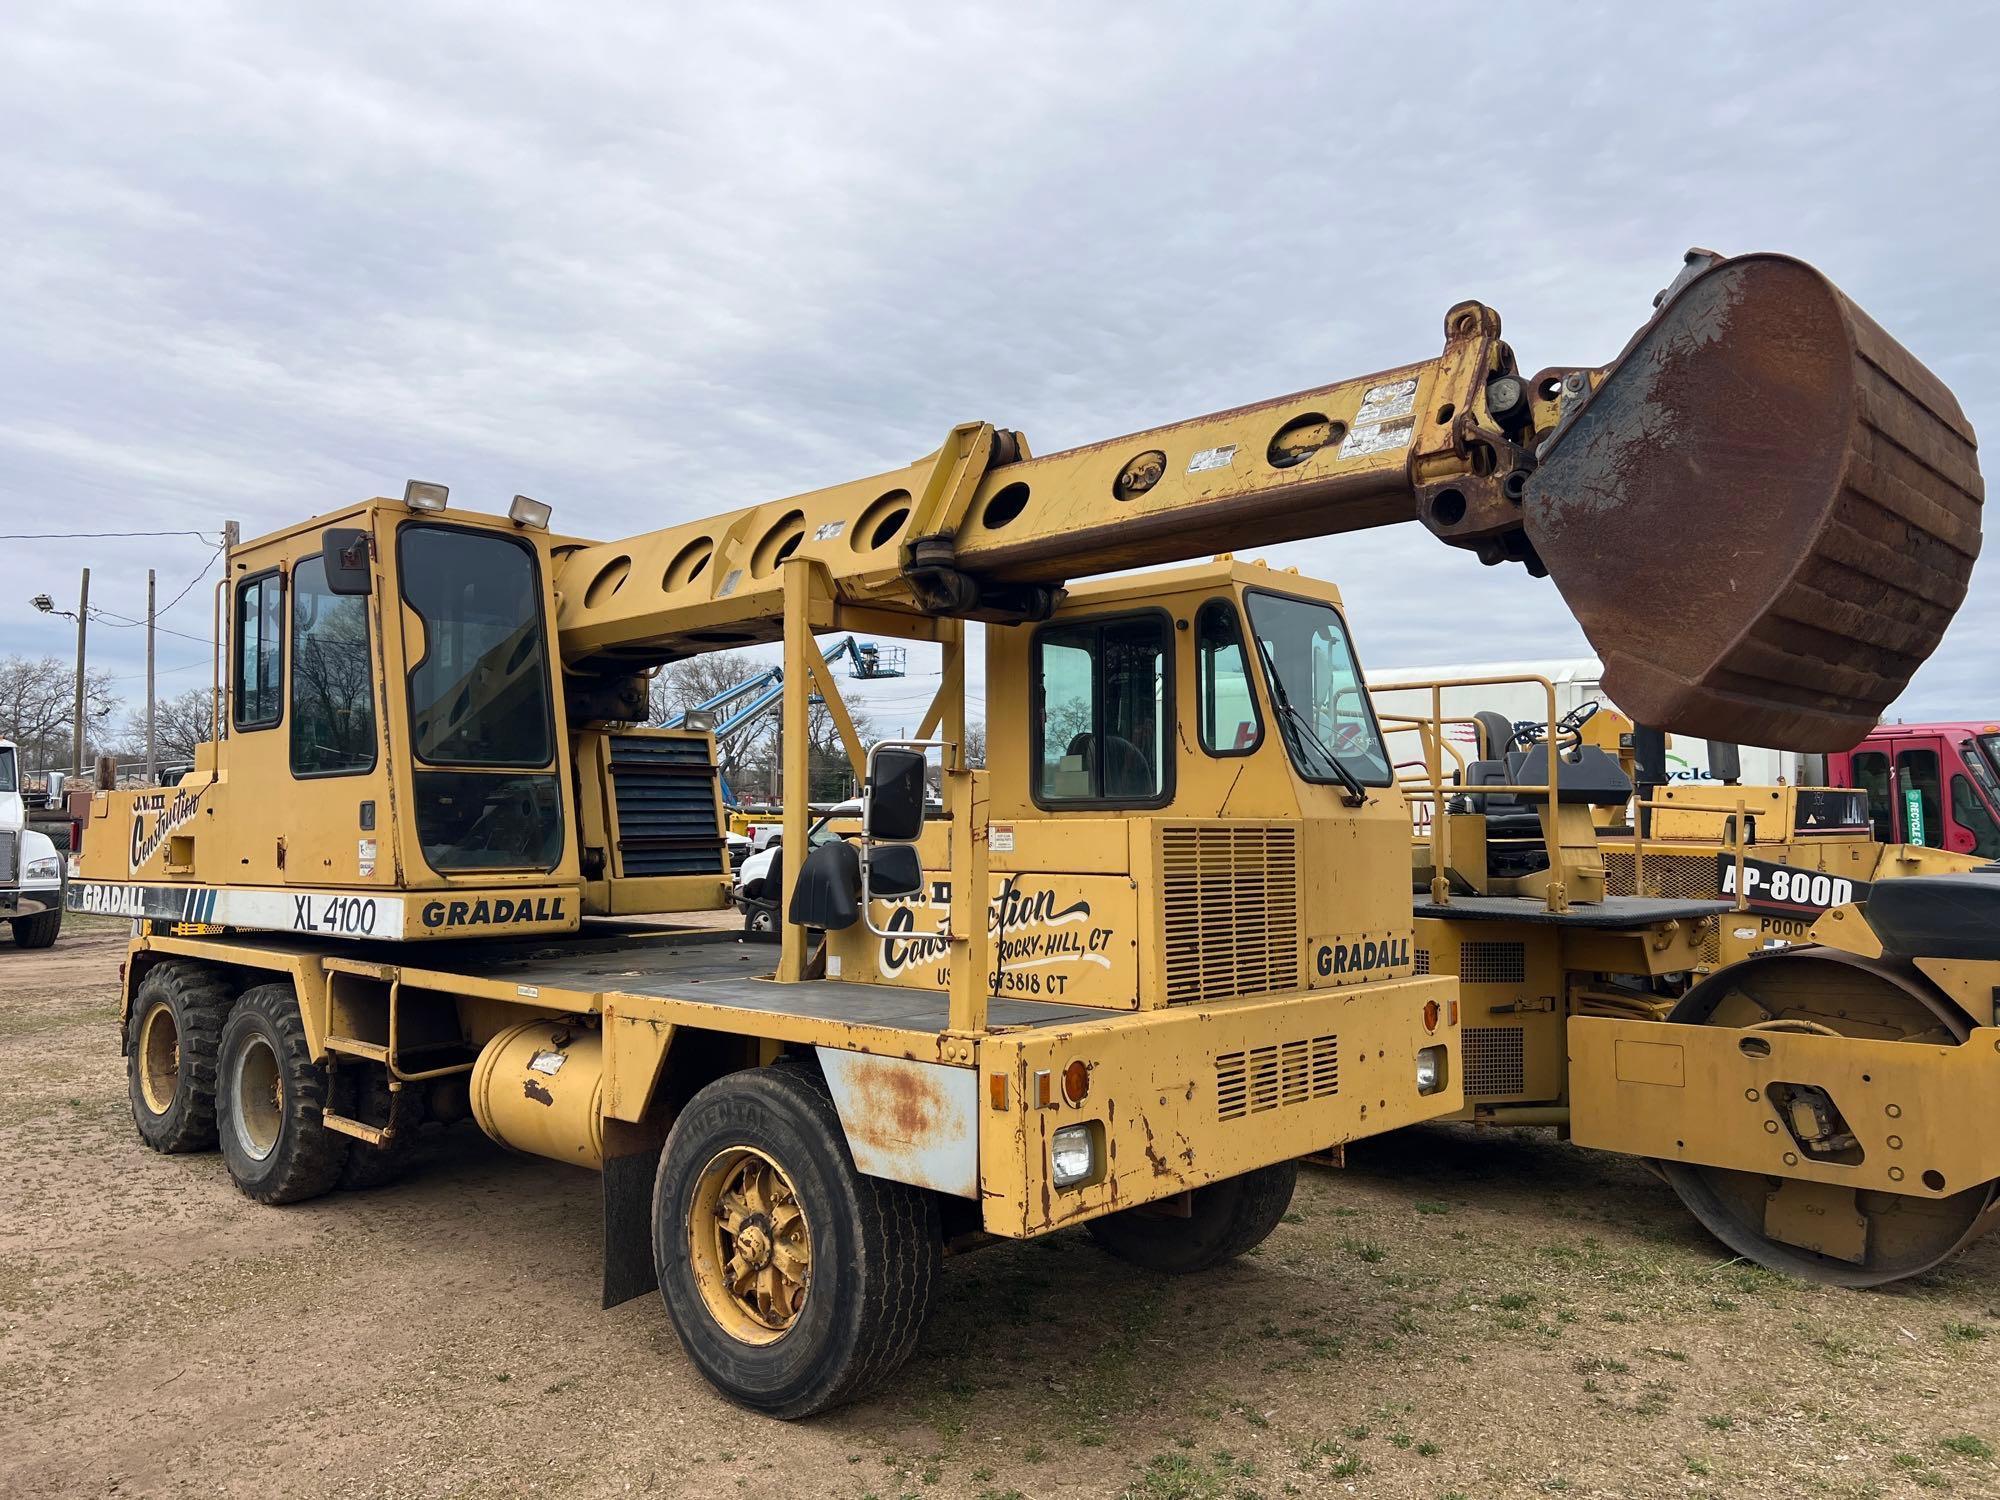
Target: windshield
1990 743
480 701
7 781
1304 645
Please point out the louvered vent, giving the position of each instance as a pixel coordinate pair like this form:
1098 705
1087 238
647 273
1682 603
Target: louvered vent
1495 1060
1276 1077
665 790
1230 910
1675 877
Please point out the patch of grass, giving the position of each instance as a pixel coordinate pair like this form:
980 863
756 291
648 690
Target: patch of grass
1428 1450
1366 1250
1356 1434
1964 1333
1514 1301
1436 1210
1401 1439
1717 1422
1698 1466
1035 1453
1965 1445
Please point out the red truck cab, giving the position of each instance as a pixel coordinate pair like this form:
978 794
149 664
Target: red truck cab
1934 784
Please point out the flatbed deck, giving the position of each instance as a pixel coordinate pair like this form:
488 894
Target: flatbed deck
699 966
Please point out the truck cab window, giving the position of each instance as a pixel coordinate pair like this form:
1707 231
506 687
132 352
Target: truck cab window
333 683
1974 803
1321 703
1227 707
481 706
260 620
1103 721
1923 804
1871 774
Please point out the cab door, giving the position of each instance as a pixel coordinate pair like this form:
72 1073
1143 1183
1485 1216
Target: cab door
1918 799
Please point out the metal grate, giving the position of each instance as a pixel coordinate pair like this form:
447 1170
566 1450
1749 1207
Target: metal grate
1673 877
665 791
1229 908
1276 1077
1423 961
9 865
1495 1060
1493 963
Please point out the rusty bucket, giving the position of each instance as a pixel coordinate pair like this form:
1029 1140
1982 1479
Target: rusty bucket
1764 513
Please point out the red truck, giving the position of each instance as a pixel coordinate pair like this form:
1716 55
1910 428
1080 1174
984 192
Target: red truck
1935 784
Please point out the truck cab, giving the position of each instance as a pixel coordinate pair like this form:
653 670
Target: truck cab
31 867
1931 784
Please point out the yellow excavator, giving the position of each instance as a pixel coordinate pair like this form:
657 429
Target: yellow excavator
1161 949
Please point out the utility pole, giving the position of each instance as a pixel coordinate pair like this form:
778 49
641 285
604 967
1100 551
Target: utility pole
82 624
152 776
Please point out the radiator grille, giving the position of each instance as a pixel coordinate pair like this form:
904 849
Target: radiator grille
1276 1077
1493 963
1673 877
1495 1060
665 792
9 866
1229 910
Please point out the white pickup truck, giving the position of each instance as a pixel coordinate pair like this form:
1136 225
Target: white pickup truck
31 870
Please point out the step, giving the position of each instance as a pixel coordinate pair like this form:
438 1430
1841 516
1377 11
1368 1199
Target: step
353 1046
374 1135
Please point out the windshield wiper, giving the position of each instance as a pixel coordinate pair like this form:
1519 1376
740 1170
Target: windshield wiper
1355 793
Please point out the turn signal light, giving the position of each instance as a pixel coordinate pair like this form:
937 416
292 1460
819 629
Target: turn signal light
1076 1082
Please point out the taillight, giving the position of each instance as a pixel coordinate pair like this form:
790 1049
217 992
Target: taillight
75 836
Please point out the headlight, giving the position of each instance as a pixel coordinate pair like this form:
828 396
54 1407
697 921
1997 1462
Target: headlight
1072 1155
48 867
1430 1070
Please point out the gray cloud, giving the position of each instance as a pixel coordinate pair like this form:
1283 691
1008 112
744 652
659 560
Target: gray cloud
263 261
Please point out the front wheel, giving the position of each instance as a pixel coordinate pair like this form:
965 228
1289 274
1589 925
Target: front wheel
271 1102
794 1282
38 931
1224 1220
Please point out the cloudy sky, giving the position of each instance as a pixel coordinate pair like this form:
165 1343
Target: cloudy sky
261 260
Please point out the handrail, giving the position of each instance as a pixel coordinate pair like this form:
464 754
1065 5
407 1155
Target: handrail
1431 732
1734 840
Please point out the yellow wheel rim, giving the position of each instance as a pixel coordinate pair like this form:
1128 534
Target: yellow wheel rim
749 1245
159 1059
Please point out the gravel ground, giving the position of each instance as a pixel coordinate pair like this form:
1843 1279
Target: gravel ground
1453 1314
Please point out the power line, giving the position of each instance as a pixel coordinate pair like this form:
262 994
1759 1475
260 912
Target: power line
68 536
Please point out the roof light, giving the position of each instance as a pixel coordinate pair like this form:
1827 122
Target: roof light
526 512
420 496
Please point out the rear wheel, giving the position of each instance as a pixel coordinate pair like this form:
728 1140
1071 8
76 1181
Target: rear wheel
38 931
271 1102
1821 1231
1224 1220
794 1282
173 1038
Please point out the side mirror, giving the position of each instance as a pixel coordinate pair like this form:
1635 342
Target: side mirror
893 801
1725 761
894 872
344 551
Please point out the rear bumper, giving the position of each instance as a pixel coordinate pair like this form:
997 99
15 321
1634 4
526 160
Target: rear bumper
1181 1098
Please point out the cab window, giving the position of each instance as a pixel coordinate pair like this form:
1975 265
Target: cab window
1974 808
333 689
1871 774
259 658
1224 700
1103 713
1923 807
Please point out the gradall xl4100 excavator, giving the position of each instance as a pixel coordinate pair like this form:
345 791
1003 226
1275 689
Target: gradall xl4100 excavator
1145 961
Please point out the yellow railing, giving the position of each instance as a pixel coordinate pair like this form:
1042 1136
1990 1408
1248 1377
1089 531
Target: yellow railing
1433 788
1733 839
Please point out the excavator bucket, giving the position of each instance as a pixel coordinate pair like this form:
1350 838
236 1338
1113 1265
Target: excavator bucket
1764 513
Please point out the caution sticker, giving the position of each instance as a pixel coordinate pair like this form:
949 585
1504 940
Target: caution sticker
1212 458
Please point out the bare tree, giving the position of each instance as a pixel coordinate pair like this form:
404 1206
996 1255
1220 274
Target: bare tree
38 708
180 723
975 745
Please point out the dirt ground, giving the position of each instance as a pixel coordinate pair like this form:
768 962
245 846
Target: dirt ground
1453 1314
